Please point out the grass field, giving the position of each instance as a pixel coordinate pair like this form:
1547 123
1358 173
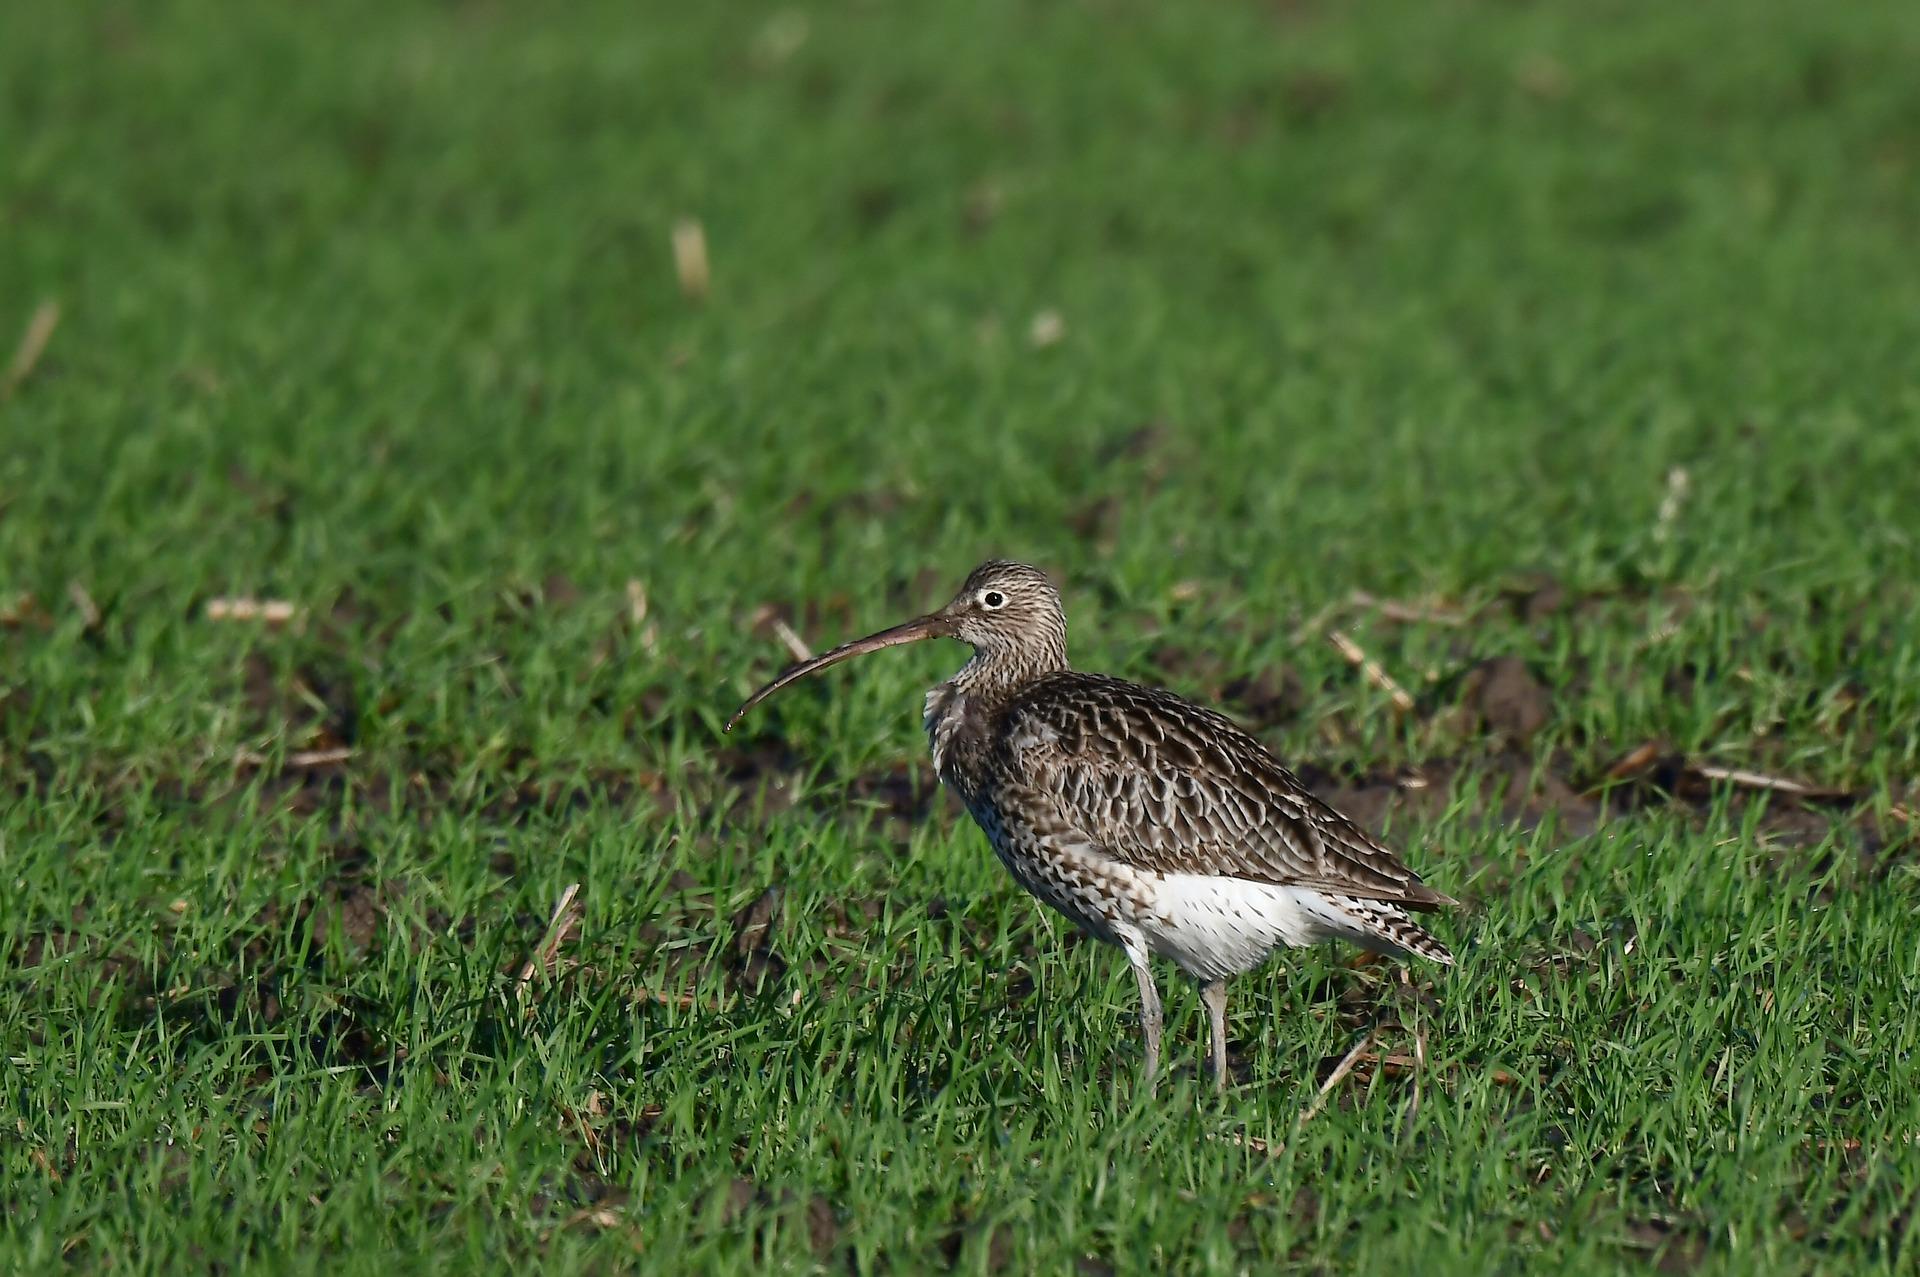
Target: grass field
1579 340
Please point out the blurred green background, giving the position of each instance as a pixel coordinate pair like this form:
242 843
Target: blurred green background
1582 333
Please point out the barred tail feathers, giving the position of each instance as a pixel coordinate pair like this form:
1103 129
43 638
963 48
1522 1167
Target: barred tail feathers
1376 925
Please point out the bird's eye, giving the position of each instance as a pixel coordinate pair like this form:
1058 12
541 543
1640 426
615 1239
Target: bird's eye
993 598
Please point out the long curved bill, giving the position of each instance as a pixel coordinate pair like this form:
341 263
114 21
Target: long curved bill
929 626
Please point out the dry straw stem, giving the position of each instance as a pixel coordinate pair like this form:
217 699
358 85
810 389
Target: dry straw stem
1396 610
566 916
271 611
1408 613
1252 1143
33 344
298 758
1761 780
690 259
1678 483
637 608
1336 1077
1047 328
1371 668
794 644
84 604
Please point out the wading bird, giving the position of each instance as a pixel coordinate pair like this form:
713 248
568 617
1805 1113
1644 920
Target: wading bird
1154 824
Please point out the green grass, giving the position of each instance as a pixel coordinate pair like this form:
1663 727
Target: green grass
372 308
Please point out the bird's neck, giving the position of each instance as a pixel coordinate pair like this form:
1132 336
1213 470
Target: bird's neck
996 673
960 712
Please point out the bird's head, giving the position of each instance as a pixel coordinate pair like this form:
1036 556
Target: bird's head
1009 613
1004 608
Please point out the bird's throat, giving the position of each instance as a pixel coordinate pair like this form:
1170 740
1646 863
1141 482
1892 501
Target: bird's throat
957 731
960 712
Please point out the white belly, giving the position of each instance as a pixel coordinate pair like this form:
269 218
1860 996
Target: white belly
1218 927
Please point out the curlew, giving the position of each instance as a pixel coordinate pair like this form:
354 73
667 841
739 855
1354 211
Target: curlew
1152 823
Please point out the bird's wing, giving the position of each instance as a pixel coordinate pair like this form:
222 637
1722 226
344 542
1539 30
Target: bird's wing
1165 785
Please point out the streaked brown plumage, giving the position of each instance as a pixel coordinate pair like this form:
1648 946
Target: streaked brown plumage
1155 824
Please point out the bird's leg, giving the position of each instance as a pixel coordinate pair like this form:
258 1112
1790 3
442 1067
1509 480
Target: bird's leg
1214 994
1149 1008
